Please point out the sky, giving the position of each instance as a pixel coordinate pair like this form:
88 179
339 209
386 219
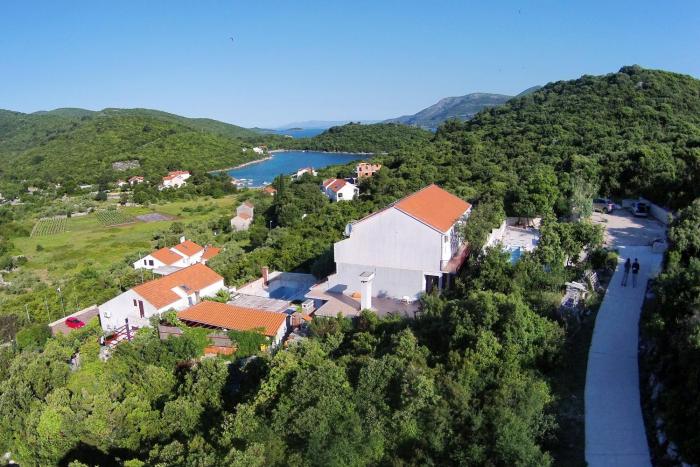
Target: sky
322 60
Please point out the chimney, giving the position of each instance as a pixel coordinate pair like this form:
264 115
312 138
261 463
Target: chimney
366 290
182 239
265 274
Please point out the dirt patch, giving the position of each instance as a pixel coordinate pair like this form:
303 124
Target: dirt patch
155 217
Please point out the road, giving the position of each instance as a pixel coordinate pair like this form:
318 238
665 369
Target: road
615 434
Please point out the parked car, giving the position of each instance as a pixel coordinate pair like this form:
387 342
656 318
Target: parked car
640 209
603 205
74 323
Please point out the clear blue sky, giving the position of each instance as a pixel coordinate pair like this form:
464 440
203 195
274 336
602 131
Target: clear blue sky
328 60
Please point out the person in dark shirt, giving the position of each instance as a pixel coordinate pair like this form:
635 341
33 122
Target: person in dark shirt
635 272
628 265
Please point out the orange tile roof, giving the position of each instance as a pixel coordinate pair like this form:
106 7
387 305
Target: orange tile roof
434 206
210 252
166 256
159 293
188 248
244 216
232 317
269 189
334 184
175 173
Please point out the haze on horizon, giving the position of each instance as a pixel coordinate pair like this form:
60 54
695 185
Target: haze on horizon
324 60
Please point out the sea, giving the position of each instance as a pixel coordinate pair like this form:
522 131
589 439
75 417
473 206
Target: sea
287 162
300 133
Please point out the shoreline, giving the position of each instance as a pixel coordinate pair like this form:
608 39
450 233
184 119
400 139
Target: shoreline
275 151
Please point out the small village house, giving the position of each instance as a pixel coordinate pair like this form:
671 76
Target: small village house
135 180
337 189
306 170
228 317
167 260
269 190
121 183
366 169
408 248
175 179
176 291
244 216
259 150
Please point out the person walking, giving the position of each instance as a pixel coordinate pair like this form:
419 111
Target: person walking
628 266
635 272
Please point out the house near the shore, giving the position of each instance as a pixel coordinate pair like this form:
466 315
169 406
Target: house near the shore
269 190
175 179
229 317
244 216
337 189
366 169
168 260
306 170
177 291
135 180
411 247
259 150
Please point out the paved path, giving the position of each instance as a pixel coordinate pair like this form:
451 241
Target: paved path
615 433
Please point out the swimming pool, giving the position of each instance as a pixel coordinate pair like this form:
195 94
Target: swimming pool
515 253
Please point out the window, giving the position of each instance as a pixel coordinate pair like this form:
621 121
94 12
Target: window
144 262
150 262
340 195
134 302
189 300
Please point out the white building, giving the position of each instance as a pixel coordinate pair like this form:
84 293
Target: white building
176 291
121 183
175 179
244 216
259 150
306 170
135 180
337 189
404 250
179 256
366 169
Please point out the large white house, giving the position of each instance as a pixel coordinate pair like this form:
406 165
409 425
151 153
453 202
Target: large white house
181 255
176 291
337 189
175 179
408 248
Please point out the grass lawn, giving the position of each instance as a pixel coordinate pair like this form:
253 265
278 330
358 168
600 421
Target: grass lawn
87 240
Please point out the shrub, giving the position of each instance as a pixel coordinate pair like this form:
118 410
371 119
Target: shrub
33 337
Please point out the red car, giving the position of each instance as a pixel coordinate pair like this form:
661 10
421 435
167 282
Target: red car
74 323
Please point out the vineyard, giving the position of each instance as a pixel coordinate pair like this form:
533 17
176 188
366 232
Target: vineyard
49 226
112 217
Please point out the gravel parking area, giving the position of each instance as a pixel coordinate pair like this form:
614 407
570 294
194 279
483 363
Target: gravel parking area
622 228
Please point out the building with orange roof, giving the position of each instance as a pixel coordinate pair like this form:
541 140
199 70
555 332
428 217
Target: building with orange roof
270 190
176 291
229 317
337 189
175 179
167 260
404 250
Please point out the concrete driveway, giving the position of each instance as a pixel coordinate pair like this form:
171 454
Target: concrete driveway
615 434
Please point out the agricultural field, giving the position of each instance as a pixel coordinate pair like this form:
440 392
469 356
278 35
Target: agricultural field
114 217
86 240
49 226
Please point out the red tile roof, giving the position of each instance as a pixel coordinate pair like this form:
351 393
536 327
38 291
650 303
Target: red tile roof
244 216
237 318
188 248
166 256
159 293
270 190
334 184
434 206
210 252
174 174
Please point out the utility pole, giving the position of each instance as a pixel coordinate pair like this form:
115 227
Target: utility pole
26 309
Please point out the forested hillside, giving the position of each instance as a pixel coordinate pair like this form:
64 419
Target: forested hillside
80 146
356 137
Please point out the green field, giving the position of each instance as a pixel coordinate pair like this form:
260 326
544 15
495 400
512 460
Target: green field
88 240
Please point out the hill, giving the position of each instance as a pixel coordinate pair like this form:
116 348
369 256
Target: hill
461 107
356 137
630 133
79 145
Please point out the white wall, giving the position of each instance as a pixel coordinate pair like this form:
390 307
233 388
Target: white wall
239 223
388 282
391 239
281 332
140 263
